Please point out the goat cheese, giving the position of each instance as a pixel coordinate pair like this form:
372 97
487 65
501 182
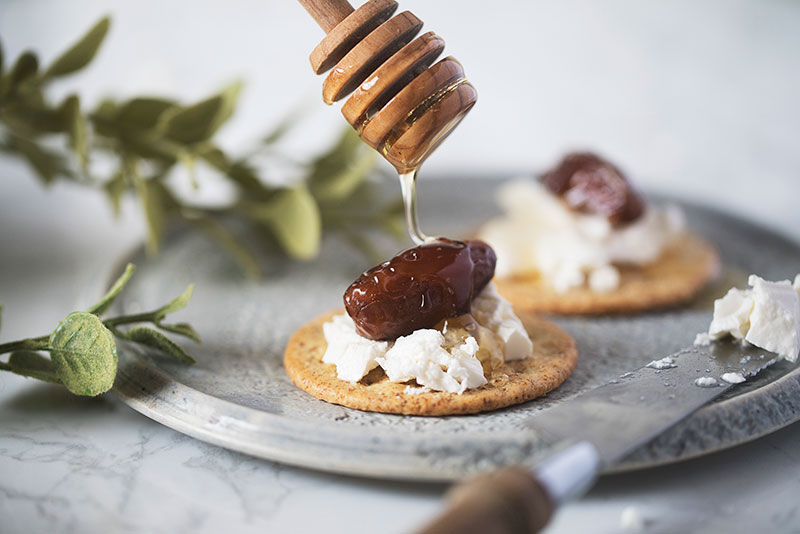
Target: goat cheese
539 233
767 316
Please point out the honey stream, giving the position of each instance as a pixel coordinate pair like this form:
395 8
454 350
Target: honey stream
408 185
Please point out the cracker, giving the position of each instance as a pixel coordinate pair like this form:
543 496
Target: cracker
675 278
554 357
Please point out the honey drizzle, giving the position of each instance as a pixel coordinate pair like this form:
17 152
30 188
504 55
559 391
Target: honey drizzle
408 179
408 185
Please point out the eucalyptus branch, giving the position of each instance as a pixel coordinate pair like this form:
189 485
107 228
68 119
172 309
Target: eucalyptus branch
148 138
83 353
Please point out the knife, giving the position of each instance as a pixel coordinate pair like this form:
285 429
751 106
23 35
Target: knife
592 432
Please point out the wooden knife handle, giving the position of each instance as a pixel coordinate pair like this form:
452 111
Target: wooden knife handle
510 501
327 13
517 500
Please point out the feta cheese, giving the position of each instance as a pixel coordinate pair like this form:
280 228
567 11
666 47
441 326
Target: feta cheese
353 355
663 363
421 357
767 316
775 319
732 378
631 520
706 382
539 234
496 313
424 355
703 339
732 314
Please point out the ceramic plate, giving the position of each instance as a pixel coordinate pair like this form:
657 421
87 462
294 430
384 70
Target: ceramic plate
238 396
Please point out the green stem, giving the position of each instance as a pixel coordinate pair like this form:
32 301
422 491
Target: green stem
146 317
37 343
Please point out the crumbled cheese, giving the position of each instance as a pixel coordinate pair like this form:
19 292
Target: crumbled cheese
663 363
495 313
411 390
706 382
421 357
703 339
767 316
539 234
353 355
424 355
631 520
733 378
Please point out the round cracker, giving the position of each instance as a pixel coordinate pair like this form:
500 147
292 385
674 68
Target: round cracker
675 278
554 357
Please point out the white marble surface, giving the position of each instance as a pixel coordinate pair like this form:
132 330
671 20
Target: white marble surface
696 99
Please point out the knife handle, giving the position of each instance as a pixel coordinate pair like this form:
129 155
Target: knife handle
516 500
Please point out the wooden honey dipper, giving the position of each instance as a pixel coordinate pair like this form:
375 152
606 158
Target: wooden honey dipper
401 104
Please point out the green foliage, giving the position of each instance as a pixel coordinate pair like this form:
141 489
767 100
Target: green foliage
83 352
81 53
150 137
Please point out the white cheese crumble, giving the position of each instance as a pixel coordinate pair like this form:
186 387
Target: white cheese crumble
663 363
423 355
631 519
420 356
706 382
733 378
539 233
767 316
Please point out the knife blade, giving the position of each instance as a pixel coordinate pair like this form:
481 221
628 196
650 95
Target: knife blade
594 430
632 409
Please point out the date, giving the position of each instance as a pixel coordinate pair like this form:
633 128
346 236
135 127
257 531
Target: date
419 287
590 184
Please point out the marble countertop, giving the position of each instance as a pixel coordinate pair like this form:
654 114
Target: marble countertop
708 109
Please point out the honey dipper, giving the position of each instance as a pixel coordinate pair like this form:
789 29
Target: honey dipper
401 104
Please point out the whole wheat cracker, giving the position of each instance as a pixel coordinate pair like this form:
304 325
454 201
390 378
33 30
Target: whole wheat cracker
554 358
684 268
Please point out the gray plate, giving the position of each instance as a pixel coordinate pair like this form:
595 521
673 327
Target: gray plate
239 397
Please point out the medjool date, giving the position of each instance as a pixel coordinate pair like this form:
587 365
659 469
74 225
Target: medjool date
590 184
419 287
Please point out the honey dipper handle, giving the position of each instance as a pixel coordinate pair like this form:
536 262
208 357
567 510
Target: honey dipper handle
327 13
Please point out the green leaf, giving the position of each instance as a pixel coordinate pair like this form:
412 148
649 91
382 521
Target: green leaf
47 164
115 188
31 119
148 146
200 121
293 217
281 129
113 292
178 303
183 329
81 53
33 365
84 354
143 113
238 171
228 241
335 174
156 202
76 122
25 68
156 340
